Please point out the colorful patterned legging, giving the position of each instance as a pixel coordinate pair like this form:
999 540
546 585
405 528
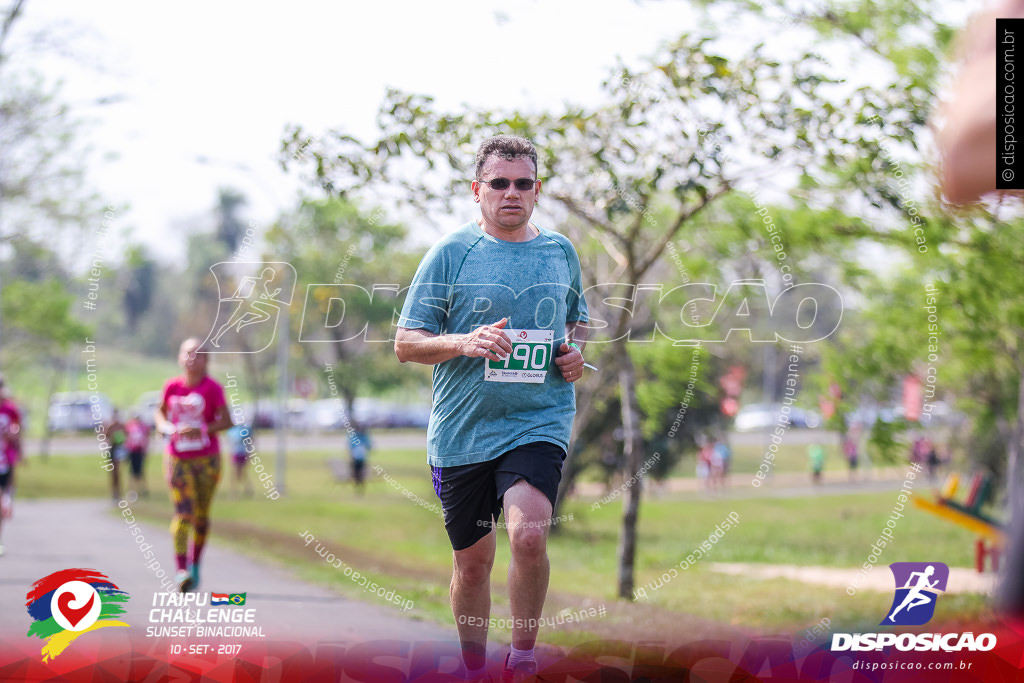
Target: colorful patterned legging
192 481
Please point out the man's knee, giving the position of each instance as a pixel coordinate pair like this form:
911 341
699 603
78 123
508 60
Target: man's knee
529 542
473 574
473 566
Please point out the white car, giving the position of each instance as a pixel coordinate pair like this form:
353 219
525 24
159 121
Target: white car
763 416
73 411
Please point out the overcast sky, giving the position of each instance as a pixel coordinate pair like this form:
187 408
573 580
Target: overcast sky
221 80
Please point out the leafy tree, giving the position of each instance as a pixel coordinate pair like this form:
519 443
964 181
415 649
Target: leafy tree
349 268
138 281
41 330
42 171
167 305
40 314
230 229
43 193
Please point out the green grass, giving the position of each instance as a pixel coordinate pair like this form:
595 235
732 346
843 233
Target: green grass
790 457
62 476
403 546
122 376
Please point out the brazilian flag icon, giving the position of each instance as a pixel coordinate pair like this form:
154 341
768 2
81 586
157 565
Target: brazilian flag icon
237 598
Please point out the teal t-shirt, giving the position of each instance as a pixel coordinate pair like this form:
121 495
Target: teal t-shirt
469 279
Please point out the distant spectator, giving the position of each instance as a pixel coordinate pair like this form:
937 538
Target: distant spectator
851 455
117 437
137 443
919 450
611 460
359 446
931 459
721 455
816 454
704 460
236 436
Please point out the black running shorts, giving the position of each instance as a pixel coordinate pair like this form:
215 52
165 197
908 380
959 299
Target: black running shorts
471 495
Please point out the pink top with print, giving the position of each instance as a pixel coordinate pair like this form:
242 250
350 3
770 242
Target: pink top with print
195 406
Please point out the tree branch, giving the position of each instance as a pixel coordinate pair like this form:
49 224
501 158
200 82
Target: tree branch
5 29
670 234
604 231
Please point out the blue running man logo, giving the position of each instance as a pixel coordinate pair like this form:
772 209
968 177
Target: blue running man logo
917 586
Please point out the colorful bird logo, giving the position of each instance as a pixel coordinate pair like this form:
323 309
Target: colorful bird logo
68 603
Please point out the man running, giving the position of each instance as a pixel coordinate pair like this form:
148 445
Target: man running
489 306
191 413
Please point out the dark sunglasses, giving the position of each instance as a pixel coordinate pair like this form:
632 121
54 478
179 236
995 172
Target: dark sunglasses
522 184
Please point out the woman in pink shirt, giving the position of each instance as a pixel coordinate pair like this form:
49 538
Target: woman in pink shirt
10 451
193 410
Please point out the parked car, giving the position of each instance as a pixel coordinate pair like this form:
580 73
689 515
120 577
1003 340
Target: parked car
325 415
415 416
389 415
267 414
73 411
328 414
764 416
755 417
807 419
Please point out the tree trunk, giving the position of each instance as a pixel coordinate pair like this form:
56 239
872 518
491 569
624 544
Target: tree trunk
44 444
586 406
633 449
255 380
1014 489
1010 591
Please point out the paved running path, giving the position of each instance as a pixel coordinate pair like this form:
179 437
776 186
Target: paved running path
48 535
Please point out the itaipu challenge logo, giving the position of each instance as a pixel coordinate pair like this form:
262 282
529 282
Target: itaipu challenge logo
70 603
917 587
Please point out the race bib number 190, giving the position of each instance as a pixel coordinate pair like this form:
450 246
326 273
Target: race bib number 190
529 360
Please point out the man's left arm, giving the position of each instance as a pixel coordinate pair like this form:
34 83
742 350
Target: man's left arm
570 358
570 353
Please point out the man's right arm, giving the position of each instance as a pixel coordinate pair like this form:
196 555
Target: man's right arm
421 346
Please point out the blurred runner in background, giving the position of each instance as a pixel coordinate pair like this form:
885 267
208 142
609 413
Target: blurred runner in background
192 411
